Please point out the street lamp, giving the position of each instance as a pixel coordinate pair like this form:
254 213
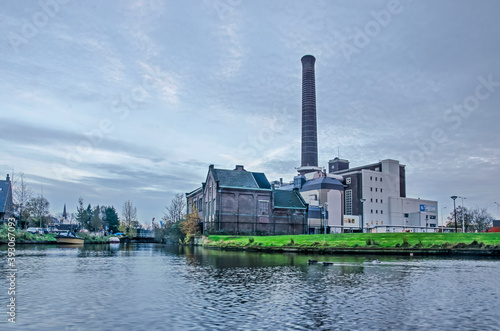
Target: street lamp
454 197
362 213
463 213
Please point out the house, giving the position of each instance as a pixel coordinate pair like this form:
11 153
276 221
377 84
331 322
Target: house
242 202
6 203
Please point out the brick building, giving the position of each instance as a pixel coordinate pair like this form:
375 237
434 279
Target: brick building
242 202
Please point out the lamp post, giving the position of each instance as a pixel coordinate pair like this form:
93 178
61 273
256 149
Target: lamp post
21 216
442 218
463 215
325 217
362 213
454 197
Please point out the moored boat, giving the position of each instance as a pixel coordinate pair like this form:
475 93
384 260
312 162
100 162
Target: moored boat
69 238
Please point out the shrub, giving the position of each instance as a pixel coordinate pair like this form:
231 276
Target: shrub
405 242
251 240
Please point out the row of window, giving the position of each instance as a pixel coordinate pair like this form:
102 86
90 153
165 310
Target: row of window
376 200
381 222
376 189
376 178
376 211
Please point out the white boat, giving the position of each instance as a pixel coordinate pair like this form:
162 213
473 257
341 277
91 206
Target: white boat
69 238
114 240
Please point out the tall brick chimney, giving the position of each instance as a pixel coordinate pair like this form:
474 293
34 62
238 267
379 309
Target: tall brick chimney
309 127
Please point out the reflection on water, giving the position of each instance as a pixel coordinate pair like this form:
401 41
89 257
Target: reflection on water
153 287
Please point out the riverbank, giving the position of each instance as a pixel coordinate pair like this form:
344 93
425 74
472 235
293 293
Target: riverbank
24 237
365 243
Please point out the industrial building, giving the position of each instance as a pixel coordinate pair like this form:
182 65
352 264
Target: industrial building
370 198
242 202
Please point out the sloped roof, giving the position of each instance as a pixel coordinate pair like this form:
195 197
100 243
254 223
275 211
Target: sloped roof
288 199
5 195
323 183
241 178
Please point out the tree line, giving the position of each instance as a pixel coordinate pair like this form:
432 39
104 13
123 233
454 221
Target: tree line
34 211
176 225
475 219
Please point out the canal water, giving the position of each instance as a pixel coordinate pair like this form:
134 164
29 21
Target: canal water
154 287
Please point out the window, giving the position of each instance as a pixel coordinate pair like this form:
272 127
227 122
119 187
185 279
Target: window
381 211
371 189
376 189
371 211
380 190
376 200
375 178
372 222
348 202
263 207
381 200
407 215
381 222
432 217
380 178
371 200
348 180
371 177
376 211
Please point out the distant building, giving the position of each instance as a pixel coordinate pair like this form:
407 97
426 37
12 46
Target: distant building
242 202
375 195
324 193
6 203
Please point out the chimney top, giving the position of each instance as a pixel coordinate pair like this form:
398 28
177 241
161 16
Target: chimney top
8 178
239 167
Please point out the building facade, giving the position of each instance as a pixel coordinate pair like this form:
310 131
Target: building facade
375 199
242 202
6 203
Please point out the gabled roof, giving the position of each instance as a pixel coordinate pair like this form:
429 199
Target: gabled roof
288 199
5 195
240 178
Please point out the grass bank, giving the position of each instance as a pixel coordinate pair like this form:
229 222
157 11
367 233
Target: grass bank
361 240
23 236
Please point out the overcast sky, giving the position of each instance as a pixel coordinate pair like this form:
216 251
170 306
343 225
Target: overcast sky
119 100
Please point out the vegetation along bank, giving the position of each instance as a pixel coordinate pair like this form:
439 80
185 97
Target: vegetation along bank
366 243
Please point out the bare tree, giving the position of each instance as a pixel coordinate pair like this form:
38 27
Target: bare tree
129 216
482 219
176 210
21 194
39 208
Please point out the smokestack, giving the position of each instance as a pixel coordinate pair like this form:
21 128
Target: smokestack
309 129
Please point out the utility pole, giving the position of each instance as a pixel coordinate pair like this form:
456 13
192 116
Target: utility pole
454 197
463 215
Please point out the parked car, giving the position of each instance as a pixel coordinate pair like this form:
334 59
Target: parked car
32 230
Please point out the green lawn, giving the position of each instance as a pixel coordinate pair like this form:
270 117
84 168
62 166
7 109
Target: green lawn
349 240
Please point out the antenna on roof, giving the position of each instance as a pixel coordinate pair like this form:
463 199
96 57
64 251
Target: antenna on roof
338 152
